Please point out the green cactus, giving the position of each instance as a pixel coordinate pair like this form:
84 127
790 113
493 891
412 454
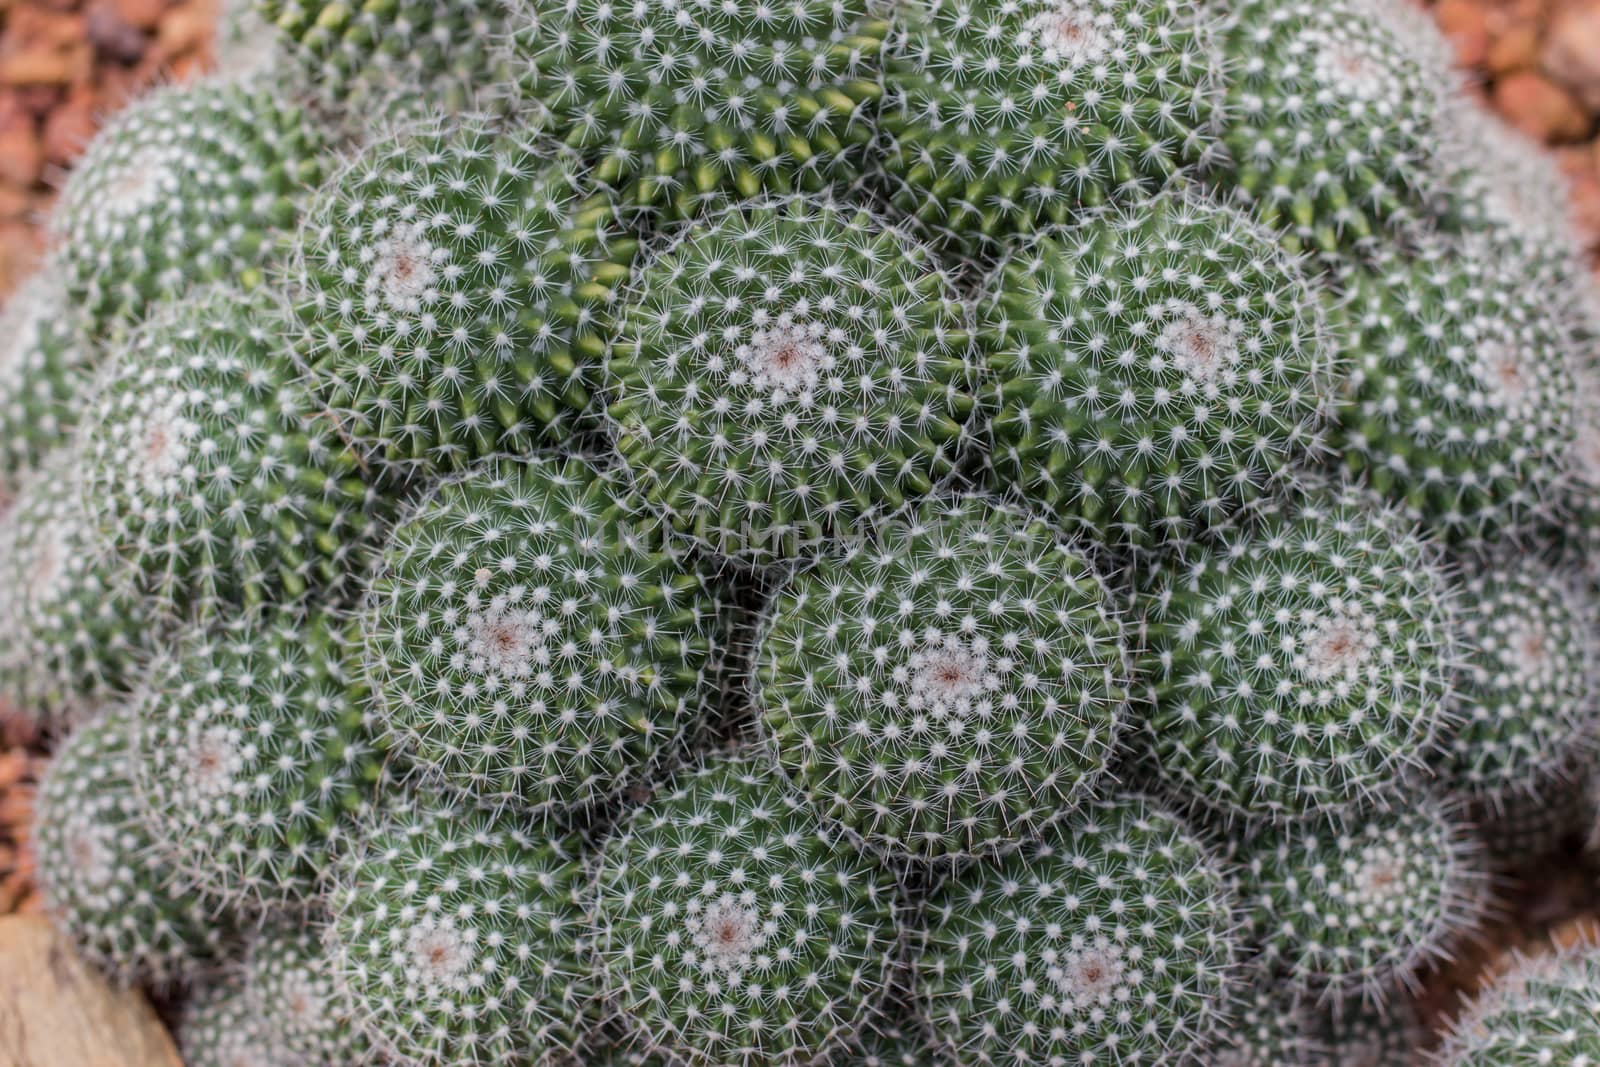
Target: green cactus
1541 1012
1358 1035
1347 909
734 929
1332 121
254 751
1272 1030
1112 941
460 937
790 372
1532 826
534 637
1463 398
950 688
101 873
191 183
1000 119
46 365
1300 663
1154 367
1525 695
277 1005
73 627
687 103
210 473
452 283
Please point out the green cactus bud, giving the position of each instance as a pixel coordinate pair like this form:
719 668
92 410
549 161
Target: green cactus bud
949 688
788 372
254 752
46 363
1463 397
199 182
1154 368
1112 941
535 637
690 102
733 929
452 282
100 871
1525 695
1345 909
210 472
278 1005
1541 1012
1000 119
1300 664
1332 118
460 938
73 629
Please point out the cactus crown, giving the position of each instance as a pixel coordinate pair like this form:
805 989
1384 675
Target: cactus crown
210 472
99 868
1153 367
732 929
1001 118
253 749
1300 663
1113 938
535 637
950 687
451 280
788 372
459 938
1357 909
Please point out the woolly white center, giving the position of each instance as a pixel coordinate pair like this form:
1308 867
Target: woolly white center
88 846
504 641
49 563
1336 646
440 954
135 188
1201 346
158 448
1378 875
213 761
1066 35
1088 977
950 678
1505 376
404 268
302 1001
1349 70
787 357
727 932
1527 653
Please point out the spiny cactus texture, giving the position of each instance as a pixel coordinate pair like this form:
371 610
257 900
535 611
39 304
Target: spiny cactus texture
1331 119
450 281
951 687
460 936
100 870
277 1005
1000 118
789 372
710 533
535 637
1112 940
254 752
1347 910
1463 401
1525 696
74 630
1301 662
46 363
209 472
690 101
191 183
732 928
1541 1012
1153 367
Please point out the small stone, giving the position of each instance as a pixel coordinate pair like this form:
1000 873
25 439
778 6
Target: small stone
1465 23
1572 50
21 159
185 29
1515 48
1540 108
112 35
144 14
38 65
70 126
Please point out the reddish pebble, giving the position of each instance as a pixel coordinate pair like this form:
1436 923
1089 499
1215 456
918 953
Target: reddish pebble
70 126
1540 108
1465 23
1572 49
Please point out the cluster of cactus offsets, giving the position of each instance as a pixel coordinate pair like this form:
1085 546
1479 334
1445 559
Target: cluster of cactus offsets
705 533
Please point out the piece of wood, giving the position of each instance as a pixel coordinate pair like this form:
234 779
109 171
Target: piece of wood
56 1010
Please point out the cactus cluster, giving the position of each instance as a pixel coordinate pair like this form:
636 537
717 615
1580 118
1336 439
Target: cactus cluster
707 533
